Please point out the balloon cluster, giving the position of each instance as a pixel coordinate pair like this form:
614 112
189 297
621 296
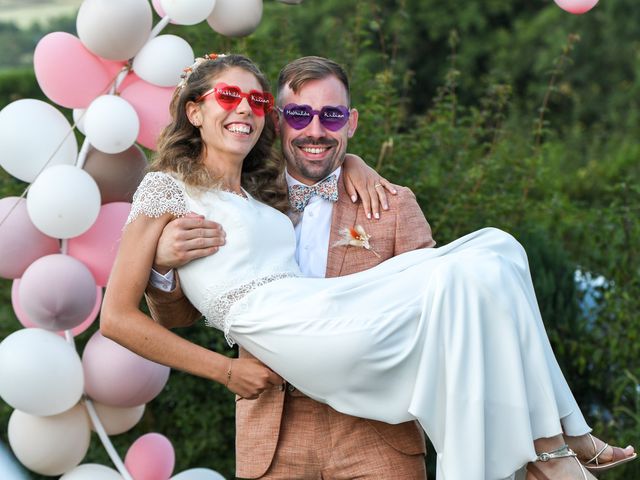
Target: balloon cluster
59 244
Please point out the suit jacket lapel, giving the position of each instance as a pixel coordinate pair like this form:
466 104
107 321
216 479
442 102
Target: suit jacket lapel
344 215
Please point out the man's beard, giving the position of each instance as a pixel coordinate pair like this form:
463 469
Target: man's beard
318 170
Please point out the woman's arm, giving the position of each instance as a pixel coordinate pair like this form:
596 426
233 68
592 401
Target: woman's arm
122 321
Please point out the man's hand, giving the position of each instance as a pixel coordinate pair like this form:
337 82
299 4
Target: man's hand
185 239
250 377
363 181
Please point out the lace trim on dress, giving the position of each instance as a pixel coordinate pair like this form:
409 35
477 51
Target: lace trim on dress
216 308
157 194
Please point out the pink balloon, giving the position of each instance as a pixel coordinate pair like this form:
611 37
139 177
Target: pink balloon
150 457
128 80
113 67
57 292
97 247
26 322
118 377
21 243
576 6
68 73
151 103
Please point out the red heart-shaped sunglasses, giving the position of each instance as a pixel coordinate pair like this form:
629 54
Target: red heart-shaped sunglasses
230 96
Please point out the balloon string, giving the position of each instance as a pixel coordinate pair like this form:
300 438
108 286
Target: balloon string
120 78
159 27
106 441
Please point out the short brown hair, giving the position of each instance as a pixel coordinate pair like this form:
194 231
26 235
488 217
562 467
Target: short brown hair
295 74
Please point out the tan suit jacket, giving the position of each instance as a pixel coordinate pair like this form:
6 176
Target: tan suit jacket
400 229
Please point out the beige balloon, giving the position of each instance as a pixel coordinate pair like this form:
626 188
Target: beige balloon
117 420
114 29
50 445
117 175
235 18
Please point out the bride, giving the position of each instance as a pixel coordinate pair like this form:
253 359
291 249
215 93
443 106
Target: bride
451 337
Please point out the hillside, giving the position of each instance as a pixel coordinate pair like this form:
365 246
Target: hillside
26 12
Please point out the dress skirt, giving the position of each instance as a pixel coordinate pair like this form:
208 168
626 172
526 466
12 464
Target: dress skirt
449 336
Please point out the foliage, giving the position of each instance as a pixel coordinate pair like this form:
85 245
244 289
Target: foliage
18 44
505 113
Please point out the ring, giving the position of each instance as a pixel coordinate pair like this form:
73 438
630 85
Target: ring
377 185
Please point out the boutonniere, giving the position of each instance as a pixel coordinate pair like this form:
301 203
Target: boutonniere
356 237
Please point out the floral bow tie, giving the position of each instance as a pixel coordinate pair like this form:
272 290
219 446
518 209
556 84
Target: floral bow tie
299 195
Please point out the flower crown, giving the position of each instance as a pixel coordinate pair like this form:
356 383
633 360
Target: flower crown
186 73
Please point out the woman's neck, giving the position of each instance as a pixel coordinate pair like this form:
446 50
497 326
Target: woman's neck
227 171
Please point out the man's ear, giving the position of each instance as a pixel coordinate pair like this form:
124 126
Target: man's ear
353 122
276 120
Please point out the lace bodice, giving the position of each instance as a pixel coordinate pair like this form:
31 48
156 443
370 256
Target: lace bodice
259 248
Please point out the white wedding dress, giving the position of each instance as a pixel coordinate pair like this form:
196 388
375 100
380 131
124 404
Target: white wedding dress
450 336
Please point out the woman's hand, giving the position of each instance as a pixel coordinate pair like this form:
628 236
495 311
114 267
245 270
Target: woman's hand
248 377
363 181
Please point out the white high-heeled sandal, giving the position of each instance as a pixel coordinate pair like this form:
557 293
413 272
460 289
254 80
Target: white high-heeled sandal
562 452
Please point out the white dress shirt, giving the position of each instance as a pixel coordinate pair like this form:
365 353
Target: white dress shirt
312 232
312 239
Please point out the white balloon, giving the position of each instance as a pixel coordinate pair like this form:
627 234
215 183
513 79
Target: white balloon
78 119
187 12
117 420
33 134
50 445
198 474
40 373
63 202
111 124
162 60
235 18
92 471
114 29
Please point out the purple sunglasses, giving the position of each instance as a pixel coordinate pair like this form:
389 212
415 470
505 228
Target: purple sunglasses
299 116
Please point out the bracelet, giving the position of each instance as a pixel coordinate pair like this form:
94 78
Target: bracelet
229 373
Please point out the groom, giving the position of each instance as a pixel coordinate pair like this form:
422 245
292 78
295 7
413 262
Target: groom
283 434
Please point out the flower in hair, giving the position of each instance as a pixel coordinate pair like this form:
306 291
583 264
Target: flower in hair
186 72
355 237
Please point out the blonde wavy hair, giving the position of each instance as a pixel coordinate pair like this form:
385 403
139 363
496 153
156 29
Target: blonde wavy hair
181 149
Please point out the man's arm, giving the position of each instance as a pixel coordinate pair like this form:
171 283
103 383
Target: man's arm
170 309
182 240
412 229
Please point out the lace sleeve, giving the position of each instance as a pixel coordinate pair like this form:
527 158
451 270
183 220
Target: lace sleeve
157 194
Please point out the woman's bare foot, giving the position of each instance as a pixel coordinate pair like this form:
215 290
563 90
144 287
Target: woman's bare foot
564 468
587 447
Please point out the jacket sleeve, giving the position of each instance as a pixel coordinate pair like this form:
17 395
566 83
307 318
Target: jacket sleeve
171 309
412 229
